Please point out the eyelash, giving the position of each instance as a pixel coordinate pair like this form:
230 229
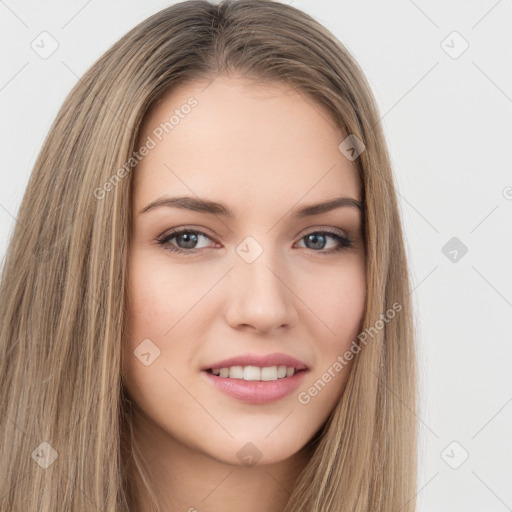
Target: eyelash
344 241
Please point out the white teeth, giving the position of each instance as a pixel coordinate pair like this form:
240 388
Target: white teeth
236 372
281 372
269 373
252 373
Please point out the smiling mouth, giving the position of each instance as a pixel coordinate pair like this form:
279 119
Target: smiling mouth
255 373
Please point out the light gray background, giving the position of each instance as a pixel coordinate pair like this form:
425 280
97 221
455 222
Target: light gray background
449 128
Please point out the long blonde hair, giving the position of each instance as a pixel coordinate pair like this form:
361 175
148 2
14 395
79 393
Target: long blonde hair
63 287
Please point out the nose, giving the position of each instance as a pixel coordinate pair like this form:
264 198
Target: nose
260 296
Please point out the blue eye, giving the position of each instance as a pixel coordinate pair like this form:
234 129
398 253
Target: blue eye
318 240
187 240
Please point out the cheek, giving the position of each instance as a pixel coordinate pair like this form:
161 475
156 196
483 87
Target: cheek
347 307
164 306
158 299
149 311
156 309
337 297
339 304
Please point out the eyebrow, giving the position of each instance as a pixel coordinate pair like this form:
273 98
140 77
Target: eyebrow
212 207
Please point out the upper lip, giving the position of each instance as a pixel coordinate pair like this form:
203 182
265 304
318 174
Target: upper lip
275 359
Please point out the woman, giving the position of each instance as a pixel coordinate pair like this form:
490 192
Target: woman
205 303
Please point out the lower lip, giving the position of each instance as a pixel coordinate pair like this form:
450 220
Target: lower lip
256 392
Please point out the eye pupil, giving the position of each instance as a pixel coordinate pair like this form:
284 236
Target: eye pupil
314 238
190 240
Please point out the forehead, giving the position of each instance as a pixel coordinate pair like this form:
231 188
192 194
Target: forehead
255 143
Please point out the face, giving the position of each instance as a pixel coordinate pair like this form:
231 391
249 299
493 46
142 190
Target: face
248 277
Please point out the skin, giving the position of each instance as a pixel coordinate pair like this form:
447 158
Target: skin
263 150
